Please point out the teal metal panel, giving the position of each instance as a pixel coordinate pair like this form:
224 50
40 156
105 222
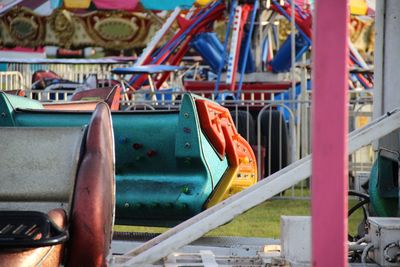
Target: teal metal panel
152 182
165 167
216 166
144 142
382 188
164 177
8 104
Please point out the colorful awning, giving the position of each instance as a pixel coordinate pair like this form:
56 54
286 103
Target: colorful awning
166 5
129 5
119 5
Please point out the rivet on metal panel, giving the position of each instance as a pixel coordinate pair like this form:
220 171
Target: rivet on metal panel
186 190
126 205
186 115
187 145
3 114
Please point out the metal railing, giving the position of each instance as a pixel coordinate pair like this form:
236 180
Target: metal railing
73 72
11 80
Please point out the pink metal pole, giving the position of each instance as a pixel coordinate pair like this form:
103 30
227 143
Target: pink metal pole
330 128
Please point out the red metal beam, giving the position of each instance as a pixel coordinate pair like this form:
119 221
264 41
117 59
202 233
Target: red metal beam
330 127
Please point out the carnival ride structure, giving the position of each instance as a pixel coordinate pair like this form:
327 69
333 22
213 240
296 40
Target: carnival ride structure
65 180
195 141
170 165
195 32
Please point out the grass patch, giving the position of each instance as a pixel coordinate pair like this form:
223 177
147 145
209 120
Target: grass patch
261 221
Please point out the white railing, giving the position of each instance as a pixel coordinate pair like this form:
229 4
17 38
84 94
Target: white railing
72 72
11 80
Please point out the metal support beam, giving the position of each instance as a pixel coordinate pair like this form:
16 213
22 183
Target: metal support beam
197 226
329 132
158 37
379 55
387 58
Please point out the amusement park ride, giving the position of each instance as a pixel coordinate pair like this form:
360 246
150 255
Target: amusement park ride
80 157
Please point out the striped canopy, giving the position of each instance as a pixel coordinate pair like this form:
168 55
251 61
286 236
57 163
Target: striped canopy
126 5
